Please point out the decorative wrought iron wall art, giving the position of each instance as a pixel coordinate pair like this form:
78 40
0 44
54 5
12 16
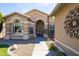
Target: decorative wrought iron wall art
72 23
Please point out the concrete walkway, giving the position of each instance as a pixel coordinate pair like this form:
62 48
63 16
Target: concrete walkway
32 47
40 48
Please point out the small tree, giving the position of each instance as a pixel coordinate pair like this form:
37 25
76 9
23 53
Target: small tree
1 21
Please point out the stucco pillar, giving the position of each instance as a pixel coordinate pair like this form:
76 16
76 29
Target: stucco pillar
5 28
46 30
25 30
25 36
8 30
34 29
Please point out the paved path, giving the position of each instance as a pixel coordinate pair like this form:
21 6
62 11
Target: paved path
34 47
40 48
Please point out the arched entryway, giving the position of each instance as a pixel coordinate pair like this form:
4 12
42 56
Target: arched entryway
39 28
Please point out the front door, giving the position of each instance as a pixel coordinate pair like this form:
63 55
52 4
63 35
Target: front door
39 28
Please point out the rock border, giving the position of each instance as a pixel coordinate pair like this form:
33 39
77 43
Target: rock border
10 52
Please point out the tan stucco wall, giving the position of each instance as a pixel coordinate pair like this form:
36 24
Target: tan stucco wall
36 15
9 26
59 27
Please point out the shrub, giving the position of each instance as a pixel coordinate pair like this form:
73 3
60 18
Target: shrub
3 45
61 54
1 21
52 47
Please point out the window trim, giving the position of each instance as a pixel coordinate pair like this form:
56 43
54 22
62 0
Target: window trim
13 28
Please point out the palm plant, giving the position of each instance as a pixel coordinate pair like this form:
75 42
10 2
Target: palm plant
1 21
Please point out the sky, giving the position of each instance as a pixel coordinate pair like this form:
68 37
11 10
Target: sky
7 8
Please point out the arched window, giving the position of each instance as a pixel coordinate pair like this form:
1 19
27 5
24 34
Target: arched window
17 27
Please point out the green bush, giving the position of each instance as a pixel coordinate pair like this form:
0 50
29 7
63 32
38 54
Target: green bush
52 47
3 45
1 21
45 32
61 54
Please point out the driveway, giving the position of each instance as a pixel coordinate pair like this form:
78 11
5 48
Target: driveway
31 47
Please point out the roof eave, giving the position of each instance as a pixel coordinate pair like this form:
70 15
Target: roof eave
36 10
58 7
18 14
15 13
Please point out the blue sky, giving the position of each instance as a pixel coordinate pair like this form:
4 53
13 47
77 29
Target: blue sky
7 8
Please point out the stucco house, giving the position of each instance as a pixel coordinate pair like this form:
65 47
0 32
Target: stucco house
25 26
66 17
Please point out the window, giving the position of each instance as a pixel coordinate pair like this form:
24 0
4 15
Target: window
51 27
31 30
51 30
17 28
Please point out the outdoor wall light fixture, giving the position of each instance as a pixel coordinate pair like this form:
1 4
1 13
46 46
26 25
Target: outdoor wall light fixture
53 17
72 23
